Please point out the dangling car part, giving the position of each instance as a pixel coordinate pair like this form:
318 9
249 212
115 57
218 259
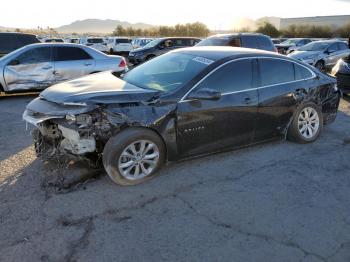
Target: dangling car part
342 72
185 103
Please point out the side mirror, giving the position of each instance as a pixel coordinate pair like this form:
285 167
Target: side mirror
160 47
329 51
205 94
14 62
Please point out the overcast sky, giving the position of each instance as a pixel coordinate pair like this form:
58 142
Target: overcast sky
218 14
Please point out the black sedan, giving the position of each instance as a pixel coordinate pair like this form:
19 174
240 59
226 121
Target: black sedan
186 103
342 72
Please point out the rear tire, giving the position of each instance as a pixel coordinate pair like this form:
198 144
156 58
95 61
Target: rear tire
133 156
307 124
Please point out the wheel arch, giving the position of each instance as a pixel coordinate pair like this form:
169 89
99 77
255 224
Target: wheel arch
154 130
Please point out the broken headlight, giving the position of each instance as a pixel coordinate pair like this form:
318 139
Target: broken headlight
82 120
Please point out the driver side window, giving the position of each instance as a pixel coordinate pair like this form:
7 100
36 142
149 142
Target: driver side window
232 77
35 56
167 43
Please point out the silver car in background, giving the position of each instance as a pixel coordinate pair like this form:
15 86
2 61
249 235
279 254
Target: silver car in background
322 54
37 66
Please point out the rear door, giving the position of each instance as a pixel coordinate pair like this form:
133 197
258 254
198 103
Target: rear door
71 62
282 84
32 69
205 126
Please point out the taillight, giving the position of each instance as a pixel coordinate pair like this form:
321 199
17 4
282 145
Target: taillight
122 63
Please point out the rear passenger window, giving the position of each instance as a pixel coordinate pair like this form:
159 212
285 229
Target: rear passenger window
122 41
179 42
235 76
275 71
265 43
70 53
249 42
301 72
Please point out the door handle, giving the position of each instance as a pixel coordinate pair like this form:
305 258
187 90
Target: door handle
46 67
87 64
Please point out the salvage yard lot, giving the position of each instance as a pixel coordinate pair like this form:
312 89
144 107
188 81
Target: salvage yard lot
273 202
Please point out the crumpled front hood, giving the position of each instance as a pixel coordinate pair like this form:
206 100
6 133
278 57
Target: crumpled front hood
304 54
100 88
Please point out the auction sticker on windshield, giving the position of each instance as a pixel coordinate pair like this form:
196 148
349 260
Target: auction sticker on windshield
203 60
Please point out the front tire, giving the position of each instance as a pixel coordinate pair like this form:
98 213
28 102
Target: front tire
307 124
133 156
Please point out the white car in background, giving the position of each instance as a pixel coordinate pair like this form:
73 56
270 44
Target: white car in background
97 43
37 66
119 45
73 40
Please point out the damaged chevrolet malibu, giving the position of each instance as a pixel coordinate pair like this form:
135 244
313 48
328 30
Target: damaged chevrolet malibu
186 103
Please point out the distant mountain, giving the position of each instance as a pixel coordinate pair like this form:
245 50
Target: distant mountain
4 29
97 26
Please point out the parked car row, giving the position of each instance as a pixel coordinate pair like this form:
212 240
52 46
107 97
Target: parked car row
322 54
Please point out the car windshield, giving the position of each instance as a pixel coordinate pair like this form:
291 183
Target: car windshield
315 46
214 41
153 43
167 72
290 42
13 53
95 40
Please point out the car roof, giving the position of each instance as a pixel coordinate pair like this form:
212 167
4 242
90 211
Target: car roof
16 33
236 34
56 44
179 37
221 52
329 41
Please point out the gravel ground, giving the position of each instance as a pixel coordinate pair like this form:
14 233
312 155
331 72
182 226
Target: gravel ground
274 202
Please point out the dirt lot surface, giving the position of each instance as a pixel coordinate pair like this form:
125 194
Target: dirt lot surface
274 202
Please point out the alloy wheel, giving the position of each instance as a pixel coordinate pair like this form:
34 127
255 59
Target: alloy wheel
308 122
138 160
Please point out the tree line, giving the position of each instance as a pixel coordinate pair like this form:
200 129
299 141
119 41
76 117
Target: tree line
312 31
190 29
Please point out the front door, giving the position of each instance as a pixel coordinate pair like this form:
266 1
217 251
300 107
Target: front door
205 126
32 69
